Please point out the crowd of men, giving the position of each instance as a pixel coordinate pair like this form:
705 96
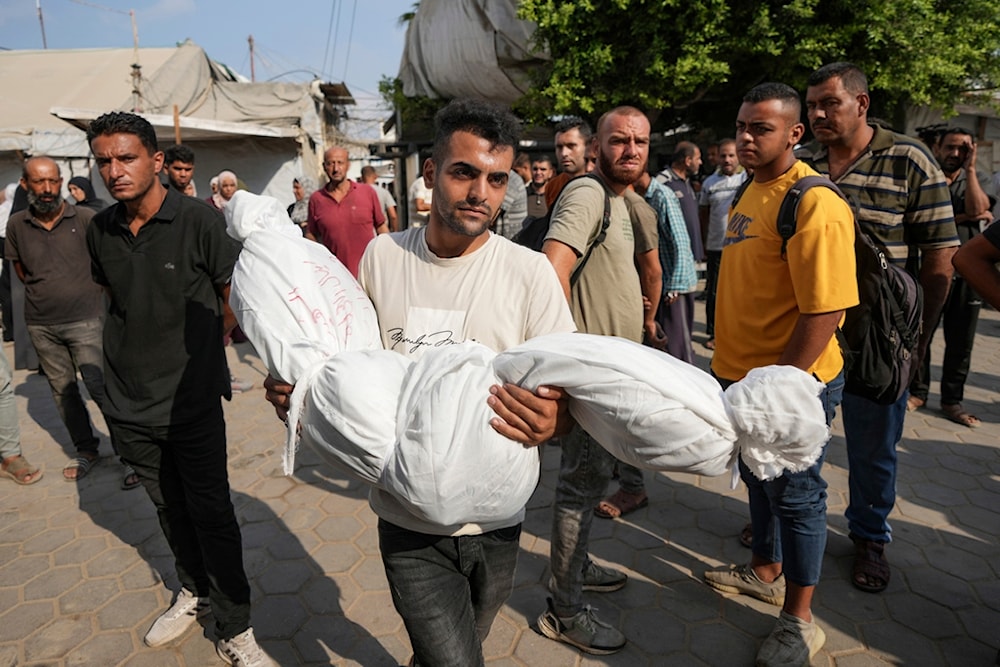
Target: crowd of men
619 259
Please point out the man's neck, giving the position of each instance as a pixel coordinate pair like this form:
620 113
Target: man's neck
49 219
339 188
769 172
642 184
446 244
682 174
617 188
845 153
539 189
140 211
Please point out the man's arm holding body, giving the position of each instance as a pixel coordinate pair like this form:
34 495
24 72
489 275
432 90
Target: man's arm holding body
976 261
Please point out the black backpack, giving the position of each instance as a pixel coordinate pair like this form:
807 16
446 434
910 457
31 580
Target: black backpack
880 335
532 234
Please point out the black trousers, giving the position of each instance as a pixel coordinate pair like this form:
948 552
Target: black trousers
959 319
183 469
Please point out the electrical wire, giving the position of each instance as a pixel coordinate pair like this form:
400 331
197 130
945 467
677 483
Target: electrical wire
350 39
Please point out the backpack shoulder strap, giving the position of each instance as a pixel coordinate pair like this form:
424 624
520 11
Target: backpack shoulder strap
789 211
739 192
605 223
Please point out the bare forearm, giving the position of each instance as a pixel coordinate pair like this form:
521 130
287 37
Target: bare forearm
977 204
810 337
935 279
651 283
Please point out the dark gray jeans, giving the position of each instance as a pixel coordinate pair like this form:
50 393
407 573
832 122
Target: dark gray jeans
448 589
584 473
64 349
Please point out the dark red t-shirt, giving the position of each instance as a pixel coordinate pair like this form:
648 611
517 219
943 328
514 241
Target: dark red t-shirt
346 227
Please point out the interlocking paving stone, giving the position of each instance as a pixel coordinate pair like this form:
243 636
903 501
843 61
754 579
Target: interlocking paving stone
84 569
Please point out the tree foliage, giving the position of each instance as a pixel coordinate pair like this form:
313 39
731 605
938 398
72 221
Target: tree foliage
692 60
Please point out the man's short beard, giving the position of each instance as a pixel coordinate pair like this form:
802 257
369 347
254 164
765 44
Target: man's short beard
42 206
615 174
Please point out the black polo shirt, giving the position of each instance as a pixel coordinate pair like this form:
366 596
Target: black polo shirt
163 355
58 288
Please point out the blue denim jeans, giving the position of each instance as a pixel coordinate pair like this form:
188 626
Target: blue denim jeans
584 473
789 513
872 432
64 349
447 589
10 432
183 469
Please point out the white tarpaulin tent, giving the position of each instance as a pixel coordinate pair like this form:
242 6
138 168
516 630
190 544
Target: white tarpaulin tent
268 133
468 48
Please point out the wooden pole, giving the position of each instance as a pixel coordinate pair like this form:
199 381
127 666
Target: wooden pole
177 125
253 77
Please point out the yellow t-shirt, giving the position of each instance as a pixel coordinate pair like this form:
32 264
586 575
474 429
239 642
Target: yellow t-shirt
761 295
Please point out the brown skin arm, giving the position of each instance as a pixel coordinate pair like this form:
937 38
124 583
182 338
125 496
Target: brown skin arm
393 219
382 229
976 261
421 204
228 317
563 259
651 282
810 336
935 279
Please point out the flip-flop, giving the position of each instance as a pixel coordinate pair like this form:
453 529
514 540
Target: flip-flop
131 479
620 504
955 413
81 465
19 470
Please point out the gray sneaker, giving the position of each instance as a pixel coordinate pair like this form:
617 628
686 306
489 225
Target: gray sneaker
597 578
243 651
743 580
584 631
175 621
791 642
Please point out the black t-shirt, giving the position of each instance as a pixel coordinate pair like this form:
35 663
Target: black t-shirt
164 359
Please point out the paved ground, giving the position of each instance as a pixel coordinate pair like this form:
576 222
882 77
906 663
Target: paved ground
84 569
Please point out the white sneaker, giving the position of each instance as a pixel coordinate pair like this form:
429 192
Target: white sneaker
243 651
175 621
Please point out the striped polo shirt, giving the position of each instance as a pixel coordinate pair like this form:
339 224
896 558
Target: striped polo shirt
899 193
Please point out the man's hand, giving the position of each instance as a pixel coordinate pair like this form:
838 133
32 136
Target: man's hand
529 418
654 337
278 394
970 154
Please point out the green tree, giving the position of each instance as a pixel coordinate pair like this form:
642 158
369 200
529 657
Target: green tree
692 60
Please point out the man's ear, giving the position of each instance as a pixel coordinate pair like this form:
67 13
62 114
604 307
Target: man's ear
428 172
864 103
796 133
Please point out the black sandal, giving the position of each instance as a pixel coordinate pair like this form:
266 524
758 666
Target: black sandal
870 565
